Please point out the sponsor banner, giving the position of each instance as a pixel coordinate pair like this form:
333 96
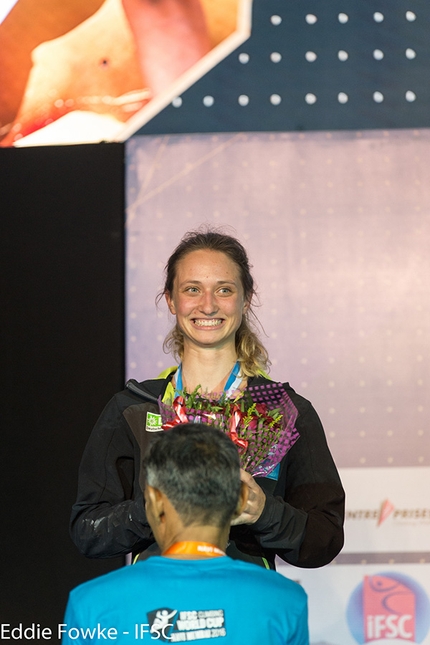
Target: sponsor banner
388 510
379 604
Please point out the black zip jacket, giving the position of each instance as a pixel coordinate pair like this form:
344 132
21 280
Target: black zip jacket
302 521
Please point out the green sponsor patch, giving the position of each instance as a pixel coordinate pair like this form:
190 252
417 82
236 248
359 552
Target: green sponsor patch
153 422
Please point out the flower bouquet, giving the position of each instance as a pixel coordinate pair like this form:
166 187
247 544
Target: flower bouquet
260 421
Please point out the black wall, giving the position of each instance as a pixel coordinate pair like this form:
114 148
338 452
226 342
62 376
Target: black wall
62 269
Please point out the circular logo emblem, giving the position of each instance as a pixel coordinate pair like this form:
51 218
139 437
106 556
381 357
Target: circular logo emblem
387 607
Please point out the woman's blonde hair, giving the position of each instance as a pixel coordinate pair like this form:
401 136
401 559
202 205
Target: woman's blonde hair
251 353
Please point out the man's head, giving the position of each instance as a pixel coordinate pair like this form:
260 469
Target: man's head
194 468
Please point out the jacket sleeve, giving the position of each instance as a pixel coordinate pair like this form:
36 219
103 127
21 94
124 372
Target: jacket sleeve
108 518
302 521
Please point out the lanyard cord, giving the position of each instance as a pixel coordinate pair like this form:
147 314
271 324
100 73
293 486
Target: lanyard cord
189 547
233 381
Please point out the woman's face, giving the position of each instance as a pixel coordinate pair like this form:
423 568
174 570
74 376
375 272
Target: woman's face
207 299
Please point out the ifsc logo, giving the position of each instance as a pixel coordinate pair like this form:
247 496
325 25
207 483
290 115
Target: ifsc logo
387 608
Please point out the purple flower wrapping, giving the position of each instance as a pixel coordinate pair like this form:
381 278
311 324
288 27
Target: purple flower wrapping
277 441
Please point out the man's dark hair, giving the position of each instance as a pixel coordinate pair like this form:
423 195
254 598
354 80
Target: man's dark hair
197 467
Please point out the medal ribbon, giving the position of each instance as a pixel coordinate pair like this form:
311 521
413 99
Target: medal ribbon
233 381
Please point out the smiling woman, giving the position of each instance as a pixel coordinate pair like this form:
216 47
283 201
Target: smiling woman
296 509
209 303
216 270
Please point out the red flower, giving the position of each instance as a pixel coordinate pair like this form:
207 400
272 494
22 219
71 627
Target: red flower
261 408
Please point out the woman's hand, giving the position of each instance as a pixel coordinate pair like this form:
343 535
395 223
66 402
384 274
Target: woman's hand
255 504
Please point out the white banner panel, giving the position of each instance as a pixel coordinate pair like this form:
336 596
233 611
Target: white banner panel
388 509
351 604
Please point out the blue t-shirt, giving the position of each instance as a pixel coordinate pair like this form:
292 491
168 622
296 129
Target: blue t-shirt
169 600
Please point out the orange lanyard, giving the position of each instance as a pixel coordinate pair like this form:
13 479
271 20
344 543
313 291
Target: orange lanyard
194 548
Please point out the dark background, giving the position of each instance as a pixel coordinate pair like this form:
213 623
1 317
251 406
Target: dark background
62 358
62 251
